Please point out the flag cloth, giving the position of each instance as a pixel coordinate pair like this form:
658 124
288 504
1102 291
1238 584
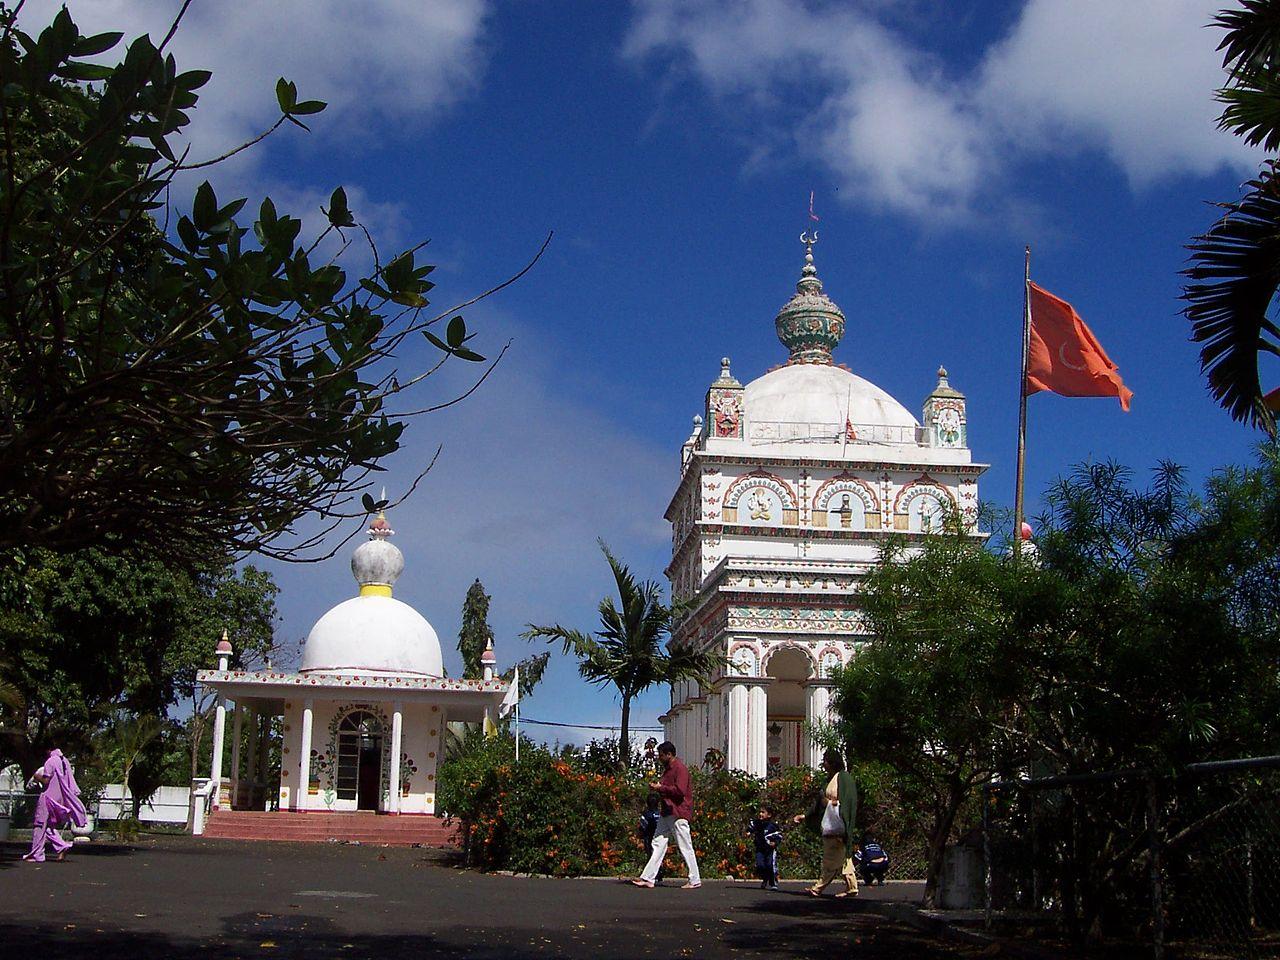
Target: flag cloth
1064 357
513 695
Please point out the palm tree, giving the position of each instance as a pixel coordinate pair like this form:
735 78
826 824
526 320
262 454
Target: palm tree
129 737
628 652
1235 267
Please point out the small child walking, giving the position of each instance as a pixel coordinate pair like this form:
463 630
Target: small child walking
649 826
767 835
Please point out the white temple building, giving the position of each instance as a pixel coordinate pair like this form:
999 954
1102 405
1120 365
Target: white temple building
789 485
364 717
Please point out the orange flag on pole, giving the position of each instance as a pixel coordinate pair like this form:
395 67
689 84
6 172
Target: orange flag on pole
1064 357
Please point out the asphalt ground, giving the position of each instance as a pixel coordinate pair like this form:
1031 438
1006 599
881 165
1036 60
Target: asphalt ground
183 897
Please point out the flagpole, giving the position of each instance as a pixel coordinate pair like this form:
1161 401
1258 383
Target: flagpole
1022 406
517 683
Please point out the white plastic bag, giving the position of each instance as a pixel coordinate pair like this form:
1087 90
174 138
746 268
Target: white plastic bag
832 822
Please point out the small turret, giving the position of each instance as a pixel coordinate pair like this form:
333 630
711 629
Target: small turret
224 651
489 661
724 404
945 422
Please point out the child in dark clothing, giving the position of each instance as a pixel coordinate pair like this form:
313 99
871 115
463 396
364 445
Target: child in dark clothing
873 860
649 826
767 835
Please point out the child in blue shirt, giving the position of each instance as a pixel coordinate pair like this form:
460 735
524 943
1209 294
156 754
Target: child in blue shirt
767 835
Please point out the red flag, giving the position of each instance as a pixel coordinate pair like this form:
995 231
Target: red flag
1064 357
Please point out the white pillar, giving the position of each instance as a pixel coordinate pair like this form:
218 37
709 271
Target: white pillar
219 738
758 731
237 719
737 758
397 727
304 757
817 710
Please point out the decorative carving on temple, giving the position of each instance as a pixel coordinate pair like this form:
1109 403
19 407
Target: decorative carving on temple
921 506
760 498
828 660
743 660
724 405
944 415
847 503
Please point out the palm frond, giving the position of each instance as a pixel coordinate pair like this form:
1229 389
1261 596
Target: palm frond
1235 269
572 641
1252 108
1252 35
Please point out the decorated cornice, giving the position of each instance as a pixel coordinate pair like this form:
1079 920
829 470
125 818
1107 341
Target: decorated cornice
779 619
904 466
310 681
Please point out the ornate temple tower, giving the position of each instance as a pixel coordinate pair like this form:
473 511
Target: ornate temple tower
788 487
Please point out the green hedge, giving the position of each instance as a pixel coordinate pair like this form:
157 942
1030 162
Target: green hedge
568 814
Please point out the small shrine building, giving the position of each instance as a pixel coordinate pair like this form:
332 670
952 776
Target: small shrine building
788 487
364 716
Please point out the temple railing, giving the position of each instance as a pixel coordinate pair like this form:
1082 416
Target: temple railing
786 431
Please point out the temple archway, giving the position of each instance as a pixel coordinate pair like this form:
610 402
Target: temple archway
790 668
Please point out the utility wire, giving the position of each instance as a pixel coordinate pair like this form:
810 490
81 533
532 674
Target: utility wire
581 726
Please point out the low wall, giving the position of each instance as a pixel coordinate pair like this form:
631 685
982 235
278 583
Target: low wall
167 805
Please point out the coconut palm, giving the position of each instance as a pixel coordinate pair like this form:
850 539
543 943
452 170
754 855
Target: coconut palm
1235 267
628 651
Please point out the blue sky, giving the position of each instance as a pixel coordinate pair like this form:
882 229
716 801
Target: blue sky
672 146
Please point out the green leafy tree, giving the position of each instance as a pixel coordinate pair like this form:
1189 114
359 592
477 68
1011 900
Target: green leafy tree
127 741
475 634
629 652
1143 635
88 633
196 379
1235 267
931 694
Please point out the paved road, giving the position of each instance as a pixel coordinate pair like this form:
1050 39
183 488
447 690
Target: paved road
185 898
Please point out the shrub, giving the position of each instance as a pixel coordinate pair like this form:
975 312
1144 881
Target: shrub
559 814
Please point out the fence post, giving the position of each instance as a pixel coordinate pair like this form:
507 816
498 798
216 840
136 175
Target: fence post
1157 884
986 855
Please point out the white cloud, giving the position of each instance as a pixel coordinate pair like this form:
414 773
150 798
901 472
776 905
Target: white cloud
530 475
1132 81
399 60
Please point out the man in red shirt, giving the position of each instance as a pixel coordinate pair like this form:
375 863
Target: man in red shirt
677 809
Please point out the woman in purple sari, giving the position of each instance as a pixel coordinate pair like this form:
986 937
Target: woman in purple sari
59 804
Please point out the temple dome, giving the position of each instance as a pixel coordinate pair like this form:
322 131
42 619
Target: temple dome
816 393
374 634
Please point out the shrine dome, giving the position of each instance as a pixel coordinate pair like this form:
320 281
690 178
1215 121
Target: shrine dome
374 634
817 393
809 388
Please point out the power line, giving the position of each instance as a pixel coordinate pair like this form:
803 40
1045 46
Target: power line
581 726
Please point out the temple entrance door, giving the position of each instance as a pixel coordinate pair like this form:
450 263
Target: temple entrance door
360 760
369 784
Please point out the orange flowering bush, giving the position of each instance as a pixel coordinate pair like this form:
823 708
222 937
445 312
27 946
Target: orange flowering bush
557 814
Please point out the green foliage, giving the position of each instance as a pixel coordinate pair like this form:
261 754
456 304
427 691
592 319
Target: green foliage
476 633
1233 267
86 633
199 390
1144 635
568 814
930 692
627 652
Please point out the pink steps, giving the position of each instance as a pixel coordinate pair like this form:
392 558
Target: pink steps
401 831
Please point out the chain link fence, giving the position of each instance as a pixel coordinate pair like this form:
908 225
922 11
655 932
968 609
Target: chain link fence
1185 866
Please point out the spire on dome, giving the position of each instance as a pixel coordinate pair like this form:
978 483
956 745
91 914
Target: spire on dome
224 645
810 325
944 387
377 563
